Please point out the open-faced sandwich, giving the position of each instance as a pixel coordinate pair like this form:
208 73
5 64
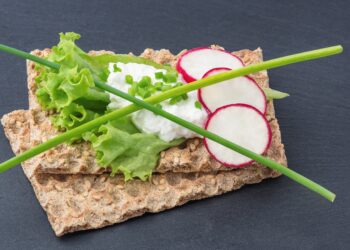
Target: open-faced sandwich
141 162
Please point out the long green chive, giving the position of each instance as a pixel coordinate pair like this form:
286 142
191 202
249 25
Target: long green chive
158 105
147 104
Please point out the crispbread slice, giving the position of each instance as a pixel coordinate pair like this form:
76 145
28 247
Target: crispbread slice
81 202
189 157
74 159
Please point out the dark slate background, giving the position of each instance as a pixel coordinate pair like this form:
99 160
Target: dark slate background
314 120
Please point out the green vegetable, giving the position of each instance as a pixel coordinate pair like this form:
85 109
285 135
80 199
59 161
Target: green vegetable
177 99
134 155
170 76
145 88
72 116
129 79
70 90
132 91
158 105
198 105
274 94
145 82
166 87
68 53
116 69
159 75
158 85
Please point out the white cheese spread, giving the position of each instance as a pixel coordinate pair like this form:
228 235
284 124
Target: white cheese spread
147 121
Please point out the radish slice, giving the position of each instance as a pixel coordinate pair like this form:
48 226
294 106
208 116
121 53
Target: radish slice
241 124
193 64
237 90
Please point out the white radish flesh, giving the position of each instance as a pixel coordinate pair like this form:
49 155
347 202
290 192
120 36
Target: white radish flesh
241 124
196 62
237 90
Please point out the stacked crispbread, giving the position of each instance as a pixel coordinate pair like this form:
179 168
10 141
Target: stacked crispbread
78 195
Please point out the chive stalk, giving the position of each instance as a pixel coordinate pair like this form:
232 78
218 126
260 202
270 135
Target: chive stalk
148 104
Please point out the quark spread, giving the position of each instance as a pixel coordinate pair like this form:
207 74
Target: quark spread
147 121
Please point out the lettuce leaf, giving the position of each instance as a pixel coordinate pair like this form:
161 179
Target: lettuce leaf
133 154
272 94
70 91
67 53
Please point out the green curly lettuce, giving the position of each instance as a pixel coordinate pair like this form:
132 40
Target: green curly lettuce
72 116
64 87
68 53
71 93
132 153
272 94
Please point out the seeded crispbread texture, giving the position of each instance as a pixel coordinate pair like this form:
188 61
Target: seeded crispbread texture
189 157
81 159
81 202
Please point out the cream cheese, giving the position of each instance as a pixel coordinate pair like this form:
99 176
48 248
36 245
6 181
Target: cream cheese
147 121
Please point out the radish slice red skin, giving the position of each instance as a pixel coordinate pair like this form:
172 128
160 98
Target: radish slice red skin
201 100
239 105
187 77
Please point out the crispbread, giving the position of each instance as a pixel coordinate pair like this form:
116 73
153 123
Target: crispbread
79 158
81 202
189 157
